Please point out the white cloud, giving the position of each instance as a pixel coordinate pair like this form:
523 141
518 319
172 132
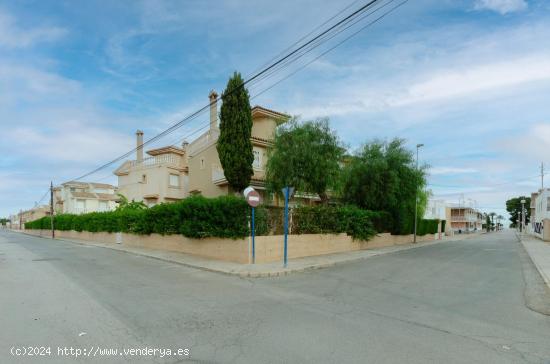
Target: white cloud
501 6
471 80
532 145
451 170
12 36
69 142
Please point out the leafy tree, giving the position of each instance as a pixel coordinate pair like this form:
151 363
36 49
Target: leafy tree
4 221
305 156
234 145
513 206
124 204
382 176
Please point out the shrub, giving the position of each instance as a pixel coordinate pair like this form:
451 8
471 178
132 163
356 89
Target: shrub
224 217
195 217
269 220
427 226
326 219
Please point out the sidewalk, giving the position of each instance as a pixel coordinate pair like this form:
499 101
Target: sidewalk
539 251
274 269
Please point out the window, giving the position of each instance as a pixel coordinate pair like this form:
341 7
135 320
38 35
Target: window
174 180
548 204
103 206
202 163
257 158
80 206
144 178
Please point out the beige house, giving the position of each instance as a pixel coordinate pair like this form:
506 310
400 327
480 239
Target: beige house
161 177
18 221
464 219
173 173
83 197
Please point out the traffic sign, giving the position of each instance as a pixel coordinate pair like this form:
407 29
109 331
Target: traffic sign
252 197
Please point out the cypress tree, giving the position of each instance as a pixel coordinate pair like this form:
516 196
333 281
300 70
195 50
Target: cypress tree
234 146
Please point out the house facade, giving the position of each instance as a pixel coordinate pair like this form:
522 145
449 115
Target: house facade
84 197
464 219
161 177
437 209
540 214
18 221
173 173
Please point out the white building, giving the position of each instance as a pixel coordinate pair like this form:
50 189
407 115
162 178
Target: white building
83 197
436 209
540 214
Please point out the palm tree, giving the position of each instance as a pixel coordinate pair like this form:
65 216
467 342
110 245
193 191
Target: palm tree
499 219
492 215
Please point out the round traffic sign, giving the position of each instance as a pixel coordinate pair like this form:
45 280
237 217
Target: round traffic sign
252 196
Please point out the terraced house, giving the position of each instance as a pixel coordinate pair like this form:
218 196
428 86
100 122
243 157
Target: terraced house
172 173
82 197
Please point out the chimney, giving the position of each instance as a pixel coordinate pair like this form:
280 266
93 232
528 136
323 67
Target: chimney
139 146
213 96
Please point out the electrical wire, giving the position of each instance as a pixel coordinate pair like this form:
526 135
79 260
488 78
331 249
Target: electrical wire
257 76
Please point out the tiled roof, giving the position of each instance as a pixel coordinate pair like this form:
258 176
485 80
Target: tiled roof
83 195
86 184
107 196
264 110
166 150
103 185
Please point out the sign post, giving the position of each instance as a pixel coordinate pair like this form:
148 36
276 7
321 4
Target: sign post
253 199
287 192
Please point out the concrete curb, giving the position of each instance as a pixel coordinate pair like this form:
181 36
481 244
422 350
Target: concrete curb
338 259
544 273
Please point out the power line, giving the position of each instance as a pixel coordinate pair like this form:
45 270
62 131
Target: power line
491 185
257 76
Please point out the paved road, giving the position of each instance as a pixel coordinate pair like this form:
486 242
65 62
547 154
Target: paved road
455 302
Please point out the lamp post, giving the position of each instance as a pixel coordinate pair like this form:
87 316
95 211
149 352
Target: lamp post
522 216
418 146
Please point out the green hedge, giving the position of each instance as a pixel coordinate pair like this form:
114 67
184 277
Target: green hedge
427 226
194 217
327 219
223 217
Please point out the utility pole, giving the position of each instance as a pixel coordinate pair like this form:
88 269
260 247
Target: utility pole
51 209
416 195
542 175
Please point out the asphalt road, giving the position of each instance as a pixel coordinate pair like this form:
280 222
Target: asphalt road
454 302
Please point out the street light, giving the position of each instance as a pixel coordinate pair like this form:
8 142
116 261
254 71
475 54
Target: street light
418 146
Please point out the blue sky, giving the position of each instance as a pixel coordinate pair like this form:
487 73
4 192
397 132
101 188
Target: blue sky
469 79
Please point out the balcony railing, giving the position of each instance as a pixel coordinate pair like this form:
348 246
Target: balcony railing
464 219
157 160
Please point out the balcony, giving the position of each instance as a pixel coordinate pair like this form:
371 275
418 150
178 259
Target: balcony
166 159
464 219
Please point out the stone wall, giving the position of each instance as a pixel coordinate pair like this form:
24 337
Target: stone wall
268 248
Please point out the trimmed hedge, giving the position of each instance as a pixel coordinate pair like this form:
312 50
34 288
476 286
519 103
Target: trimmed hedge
194 217
326 219
225 217
427 226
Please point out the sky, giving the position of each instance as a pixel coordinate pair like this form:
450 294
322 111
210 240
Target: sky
469 79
